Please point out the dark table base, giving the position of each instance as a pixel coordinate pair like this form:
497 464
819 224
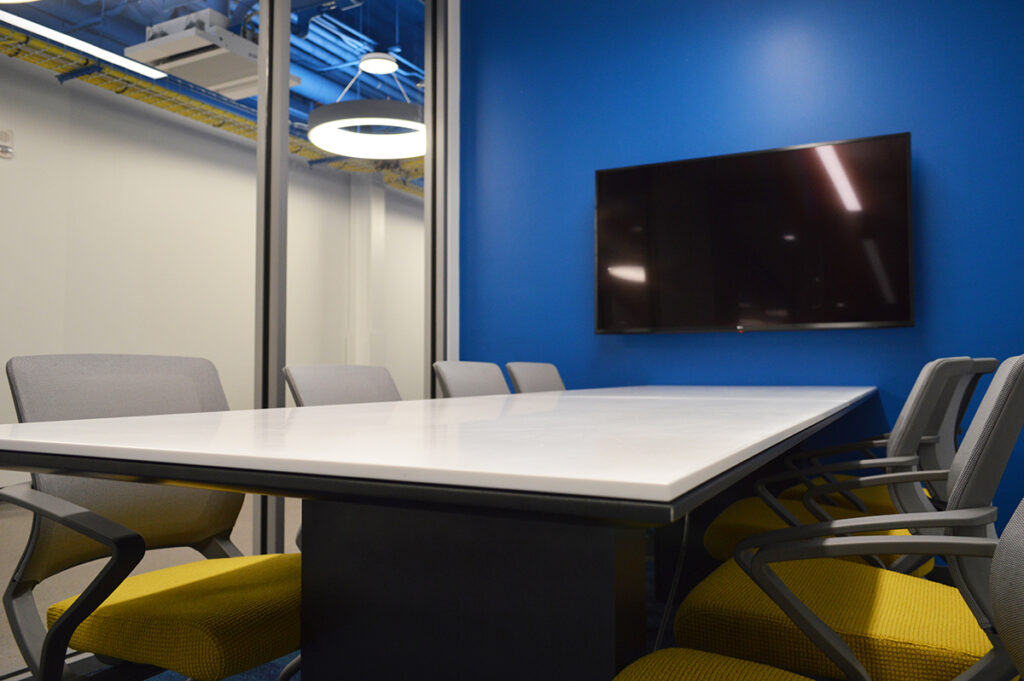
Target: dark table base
393 593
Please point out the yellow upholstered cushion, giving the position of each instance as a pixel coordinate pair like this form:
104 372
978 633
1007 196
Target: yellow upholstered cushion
752 516
876 499
684 664
207 620
899 627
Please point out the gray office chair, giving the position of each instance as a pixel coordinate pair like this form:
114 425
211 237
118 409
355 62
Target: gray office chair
466 379
317 385
915 433
320 384
1006 592
828 596
534 377
209 619
937 446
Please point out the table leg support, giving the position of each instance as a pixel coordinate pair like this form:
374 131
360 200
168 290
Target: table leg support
416 593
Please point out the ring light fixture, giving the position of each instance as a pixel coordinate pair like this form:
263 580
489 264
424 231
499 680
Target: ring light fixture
370 128
337 128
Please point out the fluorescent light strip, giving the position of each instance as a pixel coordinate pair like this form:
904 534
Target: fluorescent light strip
80 45
837 173
635 273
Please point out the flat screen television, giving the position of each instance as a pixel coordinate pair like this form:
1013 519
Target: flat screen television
810 237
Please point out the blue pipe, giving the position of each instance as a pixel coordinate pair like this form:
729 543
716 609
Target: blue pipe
315 86
222 6
242 9
113 34
104 13
154 11
315 47
348 29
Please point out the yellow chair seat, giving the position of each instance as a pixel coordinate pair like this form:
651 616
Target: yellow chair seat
900 627
752 516
206 620
684 664
876 499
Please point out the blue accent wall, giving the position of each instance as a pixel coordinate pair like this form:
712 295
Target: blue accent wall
553 91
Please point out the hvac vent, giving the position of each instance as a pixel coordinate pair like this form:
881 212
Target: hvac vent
199 48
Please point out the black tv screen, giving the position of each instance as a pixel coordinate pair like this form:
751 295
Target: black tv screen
816 236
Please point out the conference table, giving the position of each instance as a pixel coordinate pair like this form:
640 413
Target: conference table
494 537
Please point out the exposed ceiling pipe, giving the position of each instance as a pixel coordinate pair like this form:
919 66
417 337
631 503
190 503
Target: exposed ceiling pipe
241 10
315 51
113 34
315 86
151 12
302 16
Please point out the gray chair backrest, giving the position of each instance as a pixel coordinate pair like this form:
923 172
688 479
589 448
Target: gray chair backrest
534 377
922 415
60 387
320 384
939 455
1007 579
976 471
466 379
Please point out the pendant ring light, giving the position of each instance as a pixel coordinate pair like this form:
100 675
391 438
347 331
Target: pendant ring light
332 128
341 128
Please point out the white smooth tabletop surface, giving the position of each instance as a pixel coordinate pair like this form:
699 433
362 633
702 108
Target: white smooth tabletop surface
650 443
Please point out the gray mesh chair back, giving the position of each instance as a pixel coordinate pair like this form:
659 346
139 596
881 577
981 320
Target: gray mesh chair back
939 455
976 471
922 415
320 384
58 387
466 379
533 377
1007 580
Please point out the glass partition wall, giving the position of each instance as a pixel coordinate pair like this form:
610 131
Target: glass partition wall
356 236
128 197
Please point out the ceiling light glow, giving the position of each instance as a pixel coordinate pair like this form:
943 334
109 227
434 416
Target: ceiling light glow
634 273
378 63
331 129
80 46
837 174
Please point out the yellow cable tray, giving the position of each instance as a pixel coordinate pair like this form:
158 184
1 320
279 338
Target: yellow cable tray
398 174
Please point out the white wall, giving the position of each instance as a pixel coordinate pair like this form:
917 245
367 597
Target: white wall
405 265
124 228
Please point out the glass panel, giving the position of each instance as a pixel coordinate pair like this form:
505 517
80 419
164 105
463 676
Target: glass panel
128 197
356 250
128 194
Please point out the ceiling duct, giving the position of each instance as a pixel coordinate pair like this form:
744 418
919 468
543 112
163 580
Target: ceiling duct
199 48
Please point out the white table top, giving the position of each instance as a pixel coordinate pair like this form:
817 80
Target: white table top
649 443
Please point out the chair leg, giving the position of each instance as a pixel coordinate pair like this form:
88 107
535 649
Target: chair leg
290 669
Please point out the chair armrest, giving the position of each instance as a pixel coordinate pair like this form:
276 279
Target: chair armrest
757 566
876 442
969 517
126 550
805 474
812 495
836 547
